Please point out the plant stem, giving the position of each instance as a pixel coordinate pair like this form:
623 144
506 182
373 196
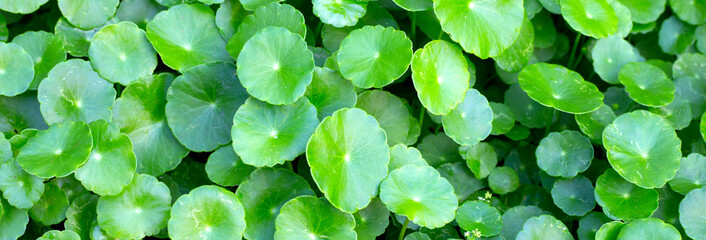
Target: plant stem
573 49
319 27
414 26
289 166
404 228
549 124
421 116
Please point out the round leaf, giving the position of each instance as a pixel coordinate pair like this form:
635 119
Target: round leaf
471 120
421 194
514 218
675 36
139 112
592 124
648 228
401 155
691 174
496 24
595 18
140 210
389 111
16 69
519 53
88 14
481 159
74 92
348 156
186 36
503 118
60 235
609 231
201 104
574 196
374 56
275 66
610 55
544 227
647 84
623 200
479 216
643 148
263 194
13 221
528 112
207 212
120 53
556 86
372 220
46 51
226 168
693 12
139 12
308 217
590 224
57 151
440 75
503 180
51 207
564 154
461 178
20 189
21 6
329 91
112 163
644 11
76 40
339 13
438 149
691 213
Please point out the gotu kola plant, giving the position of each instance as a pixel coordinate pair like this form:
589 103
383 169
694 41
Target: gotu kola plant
353 119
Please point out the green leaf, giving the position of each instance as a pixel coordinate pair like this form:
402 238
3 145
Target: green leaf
229 16
372 220
624 18
139 12
60 235
590 224
186 35
51 207
401 155
76 40
275 66
556 86
479 216
339 13
592 124
471 121
438 149
503 180
81 215
481 159
440 76
564 154
263 194
623 200
21 6
610 55
88 14
700 33
691 174
140 113
677 113
496 24
648 228
691 213
252 5
594 18
647 84
518 55
120 53
609 231
514 218
5 150
693 12
528 112
389 111
421 194
57 151
352 140
417 236
112 163
207 212
675 36
545 34
415 5
280 129
273 14
329 91
544 227
201 104
74 92
13 221
643 148
225 168
574 195
308 217
46 51
644 11
140 210
503 118
21 189
374 56
16 69
461 179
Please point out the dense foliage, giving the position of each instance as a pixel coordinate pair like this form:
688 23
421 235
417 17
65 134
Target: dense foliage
353 119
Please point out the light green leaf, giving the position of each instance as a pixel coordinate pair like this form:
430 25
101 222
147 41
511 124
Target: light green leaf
273 14
610 55
471 121
691 213
648 228
623 200
51 207
339 13
481 159
225 168
207 212
544 227
21 189
574 195
46 51
389 111
556 86
16 69
564 154
594 18
87 14
57 151
120 53
308 217
479 216
440 76
21 6
329 91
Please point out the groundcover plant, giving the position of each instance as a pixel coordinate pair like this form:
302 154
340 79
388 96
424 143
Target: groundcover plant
353 119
